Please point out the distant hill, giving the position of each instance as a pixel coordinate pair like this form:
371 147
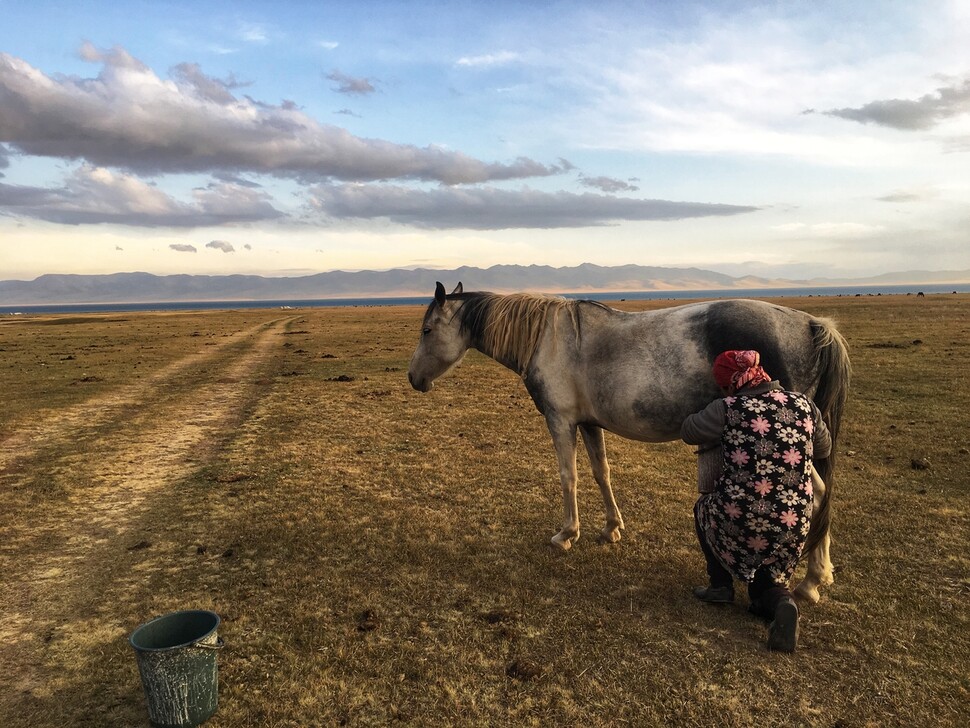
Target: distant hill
585 278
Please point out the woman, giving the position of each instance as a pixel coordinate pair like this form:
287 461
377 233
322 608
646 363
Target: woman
753 525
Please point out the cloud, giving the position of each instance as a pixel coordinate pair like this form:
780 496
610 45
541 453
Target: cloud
491 59
957 143
253 33
236 180
350 84
212 89
907 115
495 209
900 197
607 184
829 230
908 196
221 245
130 118
329 45
734 81
93 195
117 57
183 248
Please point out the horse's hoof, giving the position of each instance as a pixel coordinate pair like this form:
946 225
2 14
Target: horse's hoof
806 594
563 543
608 537
556 551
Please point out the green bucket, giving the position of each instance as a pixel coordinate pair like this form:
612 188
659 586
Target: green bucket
177 661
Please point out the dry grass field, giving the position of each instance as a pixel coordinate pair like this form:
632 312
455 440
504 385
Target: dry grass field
379 556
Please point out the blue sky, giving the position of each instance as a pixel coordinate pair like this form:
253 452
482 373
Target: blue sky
797 139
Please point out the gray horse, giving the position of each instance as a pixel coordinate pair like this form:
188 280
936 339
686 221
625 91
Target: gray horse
639 375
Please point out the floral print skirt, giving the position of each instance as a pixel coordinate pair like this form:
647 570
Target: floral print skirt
760 511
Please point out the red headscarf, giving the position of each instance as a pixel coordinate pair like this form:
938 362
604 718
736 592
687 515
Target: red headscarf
734 370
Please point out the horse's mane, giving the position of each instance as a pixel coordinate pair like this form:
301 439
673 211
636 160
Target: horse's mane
509 327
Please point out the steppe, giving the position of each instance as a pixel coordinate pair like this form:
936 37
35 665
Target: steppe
380 557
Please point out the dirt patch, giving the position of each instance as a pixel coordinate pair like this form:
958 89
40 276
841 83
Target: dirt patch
50 426
140 442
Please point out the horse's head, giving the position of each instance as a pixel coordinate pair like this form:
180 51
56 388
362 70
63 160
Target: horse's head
443 342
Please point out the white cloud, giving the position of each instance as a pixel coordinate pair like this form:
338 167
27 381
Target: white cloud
495 209
95 195
830 230
129 117
738 85
487 60
253 33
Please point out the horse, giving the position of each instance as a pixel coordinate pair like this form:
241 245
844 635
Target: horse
589 367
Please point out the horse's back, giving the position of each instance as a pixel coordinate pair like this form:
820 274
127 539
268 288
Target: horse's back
687 338
782 336
644 372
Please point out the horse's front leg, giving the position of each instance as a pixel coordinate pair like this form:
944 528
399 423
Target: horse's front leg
819 571
596 449
564 439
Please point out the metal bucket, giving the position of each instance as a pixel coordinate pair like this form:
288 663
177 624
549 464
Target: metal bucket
177 661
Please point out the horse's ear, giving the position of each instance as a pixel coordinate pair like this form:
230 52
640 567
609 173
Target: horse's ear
439 293
458 289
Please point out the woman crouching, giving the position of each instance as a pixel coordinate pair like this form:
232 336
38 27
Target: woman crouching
753 524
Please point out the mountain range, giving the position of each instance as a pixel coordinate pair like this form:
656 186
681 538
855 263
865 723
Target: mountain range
586 278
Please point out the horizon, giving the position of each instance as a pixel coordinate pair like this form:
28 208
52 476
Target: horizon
744 282
910 276
286 140
961 275
138 290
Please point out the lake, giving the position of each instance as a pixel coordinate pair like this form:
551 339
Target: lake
7 309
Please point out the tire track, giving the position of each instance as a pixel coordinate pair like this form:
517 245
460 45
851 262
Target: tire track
139 446
53 426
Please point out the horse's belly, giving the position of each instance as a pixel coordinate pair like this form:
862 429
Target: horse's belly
646 416
630 425
632 431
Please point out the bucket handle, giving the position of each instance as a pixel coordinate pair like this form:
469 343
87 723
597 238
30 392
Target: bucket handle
217 646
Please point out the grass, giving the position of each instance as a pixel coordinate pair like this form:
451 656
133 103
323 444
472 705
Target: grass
379 556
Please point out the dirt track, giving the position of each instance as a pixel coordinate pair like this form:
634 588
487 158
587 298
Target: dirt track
115 455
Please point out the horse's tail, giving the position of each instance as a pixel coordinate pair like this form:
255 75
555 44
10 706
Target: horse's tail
833 373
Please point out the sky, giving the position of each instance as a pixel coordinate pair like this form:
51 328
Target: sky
780 139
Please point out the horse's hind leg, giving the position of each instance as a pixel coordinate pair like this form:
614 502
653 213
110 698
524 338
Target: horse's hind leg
819 565
564 439
596 449
819 573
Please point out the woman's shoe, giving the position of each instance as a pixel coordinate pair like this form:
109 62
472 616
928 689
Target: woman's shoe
715 594
783 630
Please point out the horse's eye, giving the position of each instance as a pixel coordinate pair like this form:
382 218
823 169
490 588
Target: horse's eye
426 330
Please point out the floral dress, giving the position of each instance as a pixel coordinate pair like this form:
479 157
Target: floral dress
761 508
